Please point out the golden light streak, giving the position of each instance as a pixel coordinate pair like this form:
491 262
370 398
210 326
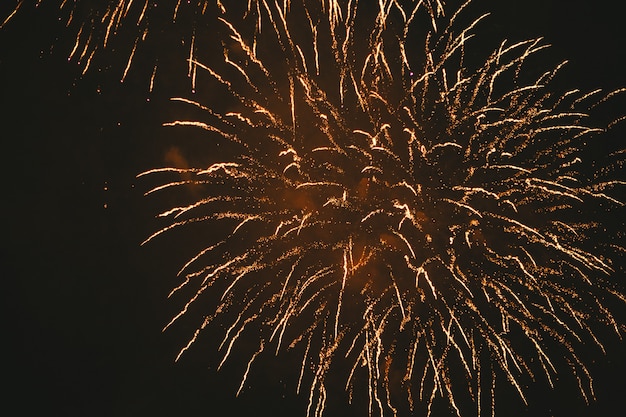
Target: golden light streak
10 16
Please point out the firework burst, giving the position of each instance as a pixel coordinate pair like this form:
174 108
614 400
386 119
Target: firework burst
398 219
102 31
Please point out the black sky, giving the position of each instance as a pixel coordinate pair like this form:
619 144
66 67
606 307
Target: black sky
85 304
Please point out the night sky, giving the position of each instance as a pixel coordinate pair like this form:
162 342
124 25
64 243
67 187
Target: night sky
85 303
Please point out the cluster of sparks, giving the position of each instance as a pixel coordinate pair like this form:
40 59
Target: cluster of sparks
409 223
98 25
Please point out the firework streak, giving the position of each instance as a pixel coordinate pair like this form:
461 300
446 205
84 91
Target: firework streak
415 225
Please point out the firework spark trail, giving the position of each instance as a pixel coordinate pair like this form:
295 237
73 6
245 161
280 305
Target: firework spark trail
411 216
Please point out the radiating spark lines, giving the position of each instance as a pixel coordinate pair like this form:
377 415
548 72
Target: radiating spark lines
151 24
381 196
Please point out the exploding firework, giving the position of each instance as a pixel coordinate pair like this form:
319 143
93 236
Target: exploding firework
416 225
159 30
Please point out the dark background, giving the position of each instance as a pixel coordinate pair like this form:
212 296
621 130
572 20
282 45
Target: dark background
85 303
